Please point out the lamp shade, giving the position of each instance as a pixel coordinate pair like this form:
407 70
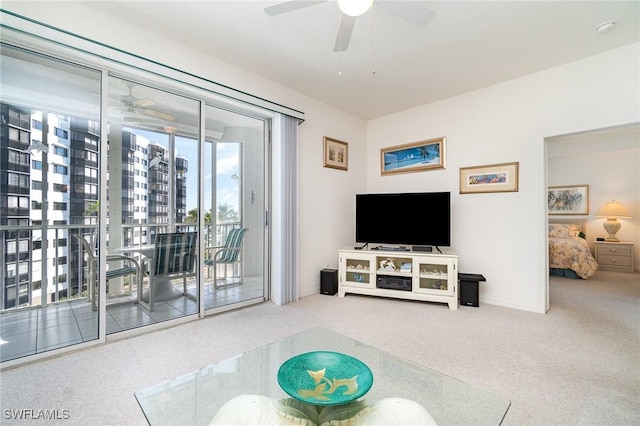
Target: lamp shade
354 7
613 209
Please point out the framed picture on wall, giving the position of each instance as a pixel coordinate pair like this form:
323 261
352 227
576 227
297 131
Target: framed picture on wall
413 157
501 177
570 199
336 154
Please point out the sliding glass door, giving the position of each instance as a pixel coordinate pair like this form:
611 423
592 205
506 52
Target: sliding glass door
49 150
74 193
152 182
235 206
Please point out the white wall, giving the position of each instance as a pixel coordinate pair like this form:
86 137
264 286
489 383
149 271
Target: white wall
609 162
502 235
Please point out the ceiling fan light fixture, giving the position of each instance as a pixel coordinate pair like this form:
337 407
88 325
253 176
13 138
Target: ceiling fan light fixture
354 7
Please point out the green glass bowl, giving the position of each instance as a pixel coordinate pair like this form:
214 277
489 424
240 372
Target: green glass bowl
325 378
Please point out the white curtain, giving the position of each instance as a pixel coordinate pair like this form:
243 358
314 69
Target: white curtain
284 219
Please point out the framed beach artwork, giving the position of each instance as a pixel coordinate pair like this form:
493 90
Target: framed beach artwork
336 154
501 177
413 157
573 199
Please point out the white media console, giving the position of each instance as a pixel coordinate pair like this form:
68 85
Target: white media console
426 276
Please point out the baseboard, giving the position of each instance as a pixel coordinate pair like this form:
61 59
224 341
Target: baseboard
527 308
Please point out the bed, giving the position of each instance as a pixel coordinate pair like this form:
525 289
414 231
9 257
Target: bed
569 254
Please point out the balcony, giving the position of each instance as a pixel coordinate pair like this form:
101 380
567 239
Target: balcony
65 317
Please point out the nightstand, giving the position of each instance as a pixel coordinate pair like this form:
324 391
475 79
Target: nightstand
615 256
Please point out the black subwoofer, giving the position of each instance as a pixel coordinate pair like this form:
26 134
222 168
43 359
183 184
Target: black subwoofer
329 281
469 292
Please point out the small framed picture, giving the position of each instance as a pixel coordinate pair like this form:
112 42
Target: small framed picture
491 178
336 154
572 199
413 157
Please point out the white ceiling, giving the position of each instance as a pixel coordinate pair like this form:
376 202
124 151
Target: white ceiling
391 65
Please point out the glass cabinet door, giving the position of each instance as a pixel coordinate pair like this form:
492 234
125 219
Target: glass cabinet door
434 276
357 270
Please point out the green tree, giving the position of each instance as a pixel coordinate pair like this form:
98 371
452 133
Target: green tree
192 216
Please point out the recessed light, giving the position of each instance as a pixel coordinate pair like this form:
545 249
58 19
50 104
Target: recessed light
605 27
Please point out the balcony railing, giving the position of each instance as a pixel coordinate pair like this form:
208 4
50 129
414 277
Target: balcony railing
26 279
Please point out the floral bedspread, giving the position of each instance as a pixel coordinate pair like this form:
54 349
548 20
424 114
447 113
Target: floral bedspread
572 253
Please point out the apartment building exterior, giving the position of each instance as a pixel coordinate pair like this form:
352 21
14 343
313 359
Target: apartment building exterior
49 192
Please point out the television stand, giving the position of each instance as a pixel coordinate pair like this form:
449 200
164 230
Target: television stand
429 277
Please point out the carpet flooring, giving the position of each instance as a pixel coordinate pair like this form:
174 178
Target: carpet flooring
577 365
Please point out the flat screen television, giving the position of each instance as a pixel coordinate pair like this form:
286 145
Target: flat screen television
416 219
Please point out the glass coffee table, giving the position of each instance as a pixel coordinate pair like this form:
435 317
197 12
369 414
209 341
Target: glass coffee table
195 398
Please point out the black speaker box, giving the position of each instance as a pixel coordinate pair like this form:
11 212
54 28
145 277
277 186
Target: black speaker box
469 292
329 281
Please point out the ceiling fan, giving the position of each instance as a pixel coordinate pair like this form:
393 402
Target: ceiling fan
136 110
415 12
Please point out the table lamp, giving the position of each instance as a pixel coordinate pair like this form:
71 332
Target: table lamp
612 211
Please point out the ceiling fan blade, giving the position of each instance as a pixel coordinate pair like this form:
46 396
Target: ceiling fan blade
290 6
344 33
132 119
143 103
158 114
414 12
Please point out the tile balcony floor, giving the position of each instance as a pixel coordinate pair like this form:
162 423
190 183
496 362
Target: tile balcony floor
29 331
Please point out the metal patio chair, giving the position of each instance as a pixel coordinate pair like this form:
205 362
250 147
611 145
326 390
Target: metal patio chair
132 267
174 257
229 254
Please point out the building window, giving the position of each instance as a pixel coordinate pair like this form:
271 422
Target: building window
91 173
14 202
58 187
36 165
18 158
36 205
18 181
36 124
18 135
61 133
59 206
36 184
61 170
63 152
93 126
